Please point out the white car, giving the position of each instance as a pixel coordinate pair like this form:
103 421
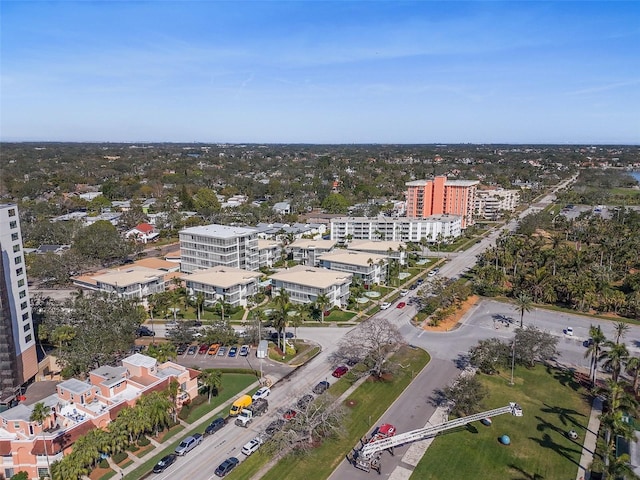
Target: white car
569 331
384 305
263 392
404 293
432 273
251 446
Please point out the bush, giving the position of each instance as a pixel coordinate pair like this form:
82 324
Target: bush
22 475
103 463
184 412
143 442
120 457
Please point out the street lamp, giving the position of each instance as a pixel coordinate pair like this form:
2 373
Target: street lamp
513 359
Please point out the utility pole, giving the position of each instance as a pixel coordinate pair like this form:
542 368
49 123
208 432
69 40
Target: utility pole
513 359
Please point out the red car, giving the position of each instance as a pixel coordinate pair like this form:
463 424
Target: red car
203 349
401 305
340 371
290 414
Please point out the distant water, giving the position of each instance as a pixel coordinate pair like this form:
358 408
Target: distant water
635 175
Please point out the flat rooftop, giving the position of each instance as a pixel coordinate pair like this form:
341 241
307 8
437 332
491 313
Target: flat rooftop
309 243
312 276
351 257
378 246
223 277
219 231
129 276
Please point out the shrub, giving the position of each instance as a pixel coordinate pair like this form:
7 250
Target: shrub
22 475
103 463
143 442
120 457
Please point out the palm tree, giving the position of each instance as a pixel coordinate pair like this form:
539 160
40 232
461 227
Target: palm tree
523 304
620 467
199 304
621 330
39 414
172 394
594 350
280 315
322 301
633 367
162 352
212 380
156 406
614 358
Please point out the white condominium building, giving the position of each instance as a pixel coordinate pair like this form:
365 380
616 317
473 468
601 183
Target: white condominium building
304 284
401 229
212 245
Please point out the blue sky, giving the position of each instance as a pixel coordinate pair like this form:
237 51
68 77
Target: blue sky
320 72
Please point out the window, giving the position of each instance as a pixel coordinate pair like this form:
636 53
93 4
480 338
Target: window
23 305
43 472
13 225
27 327
8 472
18 260
28 338
16 248
23 293
12 212
19 271
14 236
21 282
25 316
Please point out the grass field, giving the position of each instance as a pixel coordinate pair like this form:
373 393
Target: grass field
540 449
371 400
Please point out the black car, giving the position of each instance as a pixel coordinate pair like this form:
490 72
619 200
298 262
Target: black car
587 343
164 463
420 281
321 387
143 331
274 335
181 349
214 426
226 466
274 427
304 401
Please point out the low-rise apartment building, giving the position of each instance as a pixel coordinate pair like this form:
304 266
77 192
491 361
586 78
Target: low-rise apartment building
370 267
80 406
306 252
304 284
232 285
269 252
491 204
395 250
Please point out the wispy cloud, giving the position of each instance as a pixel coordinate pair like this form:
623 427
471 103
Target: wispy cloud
605 87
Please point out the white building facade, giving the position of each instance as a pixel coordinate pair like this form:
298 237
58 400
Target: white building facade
212 245
304 284
402 229
491 204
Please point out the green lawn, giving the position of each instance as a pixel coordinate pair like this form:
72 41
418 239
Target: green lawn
540 448
371 400
339 316
232 383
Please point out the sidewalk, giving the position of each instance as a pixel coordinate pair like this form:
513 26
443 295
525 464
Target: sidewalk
590 438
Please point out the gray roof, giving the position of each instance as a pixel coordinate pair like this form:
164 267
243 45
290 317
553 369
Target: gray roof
111 375
75 386
219 231
140 360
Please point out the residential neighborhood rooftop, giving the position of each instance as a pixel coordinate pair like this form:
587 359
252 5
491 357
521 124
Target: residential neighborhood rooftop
222 276
311 276
219 231
351 257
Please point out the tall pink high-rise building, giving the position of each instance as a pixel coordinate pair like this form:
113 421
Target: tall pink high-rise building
440 195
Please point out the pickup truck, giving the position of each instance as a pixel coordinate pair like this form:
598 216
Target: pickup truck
189 444
256 409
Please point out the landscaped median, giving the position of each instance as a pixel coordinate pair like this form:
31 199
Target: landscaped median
232 383
369 401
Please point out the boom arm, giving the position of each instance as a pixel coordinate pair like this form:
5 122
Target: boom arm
372 448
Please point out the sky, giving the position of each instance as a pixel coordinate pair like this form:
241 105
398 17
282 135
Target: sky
320 72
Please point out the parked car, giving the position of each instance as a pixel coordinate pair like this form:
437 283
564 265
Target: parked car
404 293
244 351
263 392
204 348
384 305
413 286
569 331
222 351
401 305
233 351
321 387
188 444
192 350
164 463
432 273
274 335
420 281
181 349
289 414
213 349
226 466
340 371
215 425
143 331
274 427
587 343
251 446
304 401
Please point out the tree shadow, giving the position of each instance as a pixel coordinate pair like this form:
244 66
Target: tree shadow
462 361
525 475
566 377
544 425
547 442
564 414
437 398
